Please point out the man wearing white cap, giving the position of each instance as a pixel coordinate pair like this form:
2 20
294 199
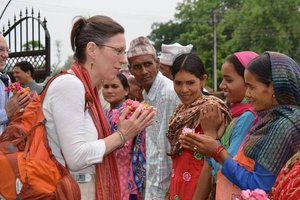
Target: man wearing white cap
168 54
158 92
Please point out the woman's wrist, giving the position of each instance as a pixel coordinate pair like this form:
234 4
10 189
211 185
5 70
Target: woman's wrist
218 151
122 138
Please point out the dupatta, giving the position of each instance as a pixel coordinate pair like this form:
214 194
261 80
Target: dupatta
107 181
275 138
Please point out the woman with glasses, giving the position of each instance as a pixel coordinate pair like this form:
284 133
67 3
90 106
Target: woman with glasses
78 131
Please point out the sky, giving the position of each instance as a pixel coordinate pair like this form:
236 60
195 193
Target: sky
136 16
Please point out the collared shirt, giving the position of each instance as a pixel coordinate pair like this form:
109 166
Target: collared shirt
158 167
4 96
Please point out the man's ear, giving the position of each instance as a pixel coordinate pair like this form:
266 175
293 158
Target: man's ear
29 73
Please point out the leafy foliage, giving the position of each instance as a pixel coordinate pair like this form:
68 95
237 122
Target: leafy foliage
257 25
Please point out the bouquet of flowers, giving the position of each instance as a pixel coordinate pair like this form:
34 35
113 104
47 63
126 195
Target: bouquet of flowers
257 194
132 105
16 87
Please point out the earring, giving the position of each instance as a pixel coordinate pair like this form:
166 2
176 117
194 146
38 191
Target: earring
273 95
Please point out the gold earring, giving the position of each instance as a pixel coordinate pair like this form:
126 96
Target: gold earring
273 95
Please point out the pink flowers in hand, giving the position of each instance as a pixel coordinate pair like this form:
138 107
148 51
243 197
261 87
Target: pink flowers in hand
257 194
187 130
132 105
16 87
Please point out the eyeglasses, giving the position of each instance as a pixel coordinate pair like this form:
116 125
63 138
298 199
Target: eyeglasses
119 51
3 49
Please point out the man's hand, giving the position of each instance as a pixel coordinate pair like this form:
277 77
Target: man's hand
16 102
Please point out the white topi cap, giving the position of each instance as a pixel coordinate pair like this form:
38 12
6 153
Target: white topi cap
170 51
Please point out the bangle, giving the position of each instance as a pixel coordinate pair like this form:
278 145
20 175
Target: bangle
121 136
218 151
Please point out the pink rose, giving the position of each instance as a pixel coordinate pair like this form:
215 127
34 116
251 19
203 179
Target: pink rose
246 194
259 194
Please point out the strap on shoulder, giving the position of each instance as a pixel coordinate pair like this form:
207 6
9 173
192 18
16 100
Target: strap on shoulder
43 93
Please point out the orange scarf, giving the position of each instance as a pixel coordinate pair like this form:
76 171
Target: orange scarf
107 181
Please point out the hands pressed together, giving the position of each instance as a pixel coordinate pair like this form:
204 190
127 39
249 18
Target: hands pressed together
139 120
213 125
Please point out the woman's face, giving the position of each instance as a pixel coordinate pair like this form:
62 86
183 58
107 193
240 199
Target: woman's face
188 87
114 92
232 83
109 59
260 95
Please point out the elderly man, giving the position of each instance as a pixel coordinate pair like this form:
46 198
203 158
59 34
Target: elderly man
23 72
158 92
8 104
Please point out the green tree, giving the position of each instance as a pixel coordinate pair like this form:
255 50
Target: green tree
193 24
257 25
262 25
32 44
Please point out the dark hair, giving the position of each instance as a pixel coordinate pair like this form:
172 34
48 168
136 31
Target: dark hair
25 66
97 29
124 82
261 68
239 68
190 63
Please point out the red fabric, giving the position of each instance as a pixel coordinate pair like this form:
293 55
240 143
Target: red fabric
237 109
287 184
107 182
186 170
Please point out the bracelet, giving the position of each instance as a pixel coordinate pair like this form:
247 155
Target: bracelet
218 151
121 136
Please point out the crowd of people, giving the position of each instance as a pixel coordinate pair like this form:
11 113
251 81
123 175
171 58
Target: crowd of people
180 142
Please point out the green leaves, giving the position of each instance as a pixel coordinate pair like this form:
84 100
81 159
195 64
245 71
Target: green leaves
257 25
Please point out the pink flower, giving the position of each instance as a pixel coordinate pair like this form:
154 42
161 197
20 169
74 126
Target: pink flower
135 105
246 194
257 194
132 105
187 130
14 88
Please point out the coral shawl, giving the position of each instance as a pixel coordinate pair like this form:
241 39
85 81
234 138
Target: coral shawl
107 183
